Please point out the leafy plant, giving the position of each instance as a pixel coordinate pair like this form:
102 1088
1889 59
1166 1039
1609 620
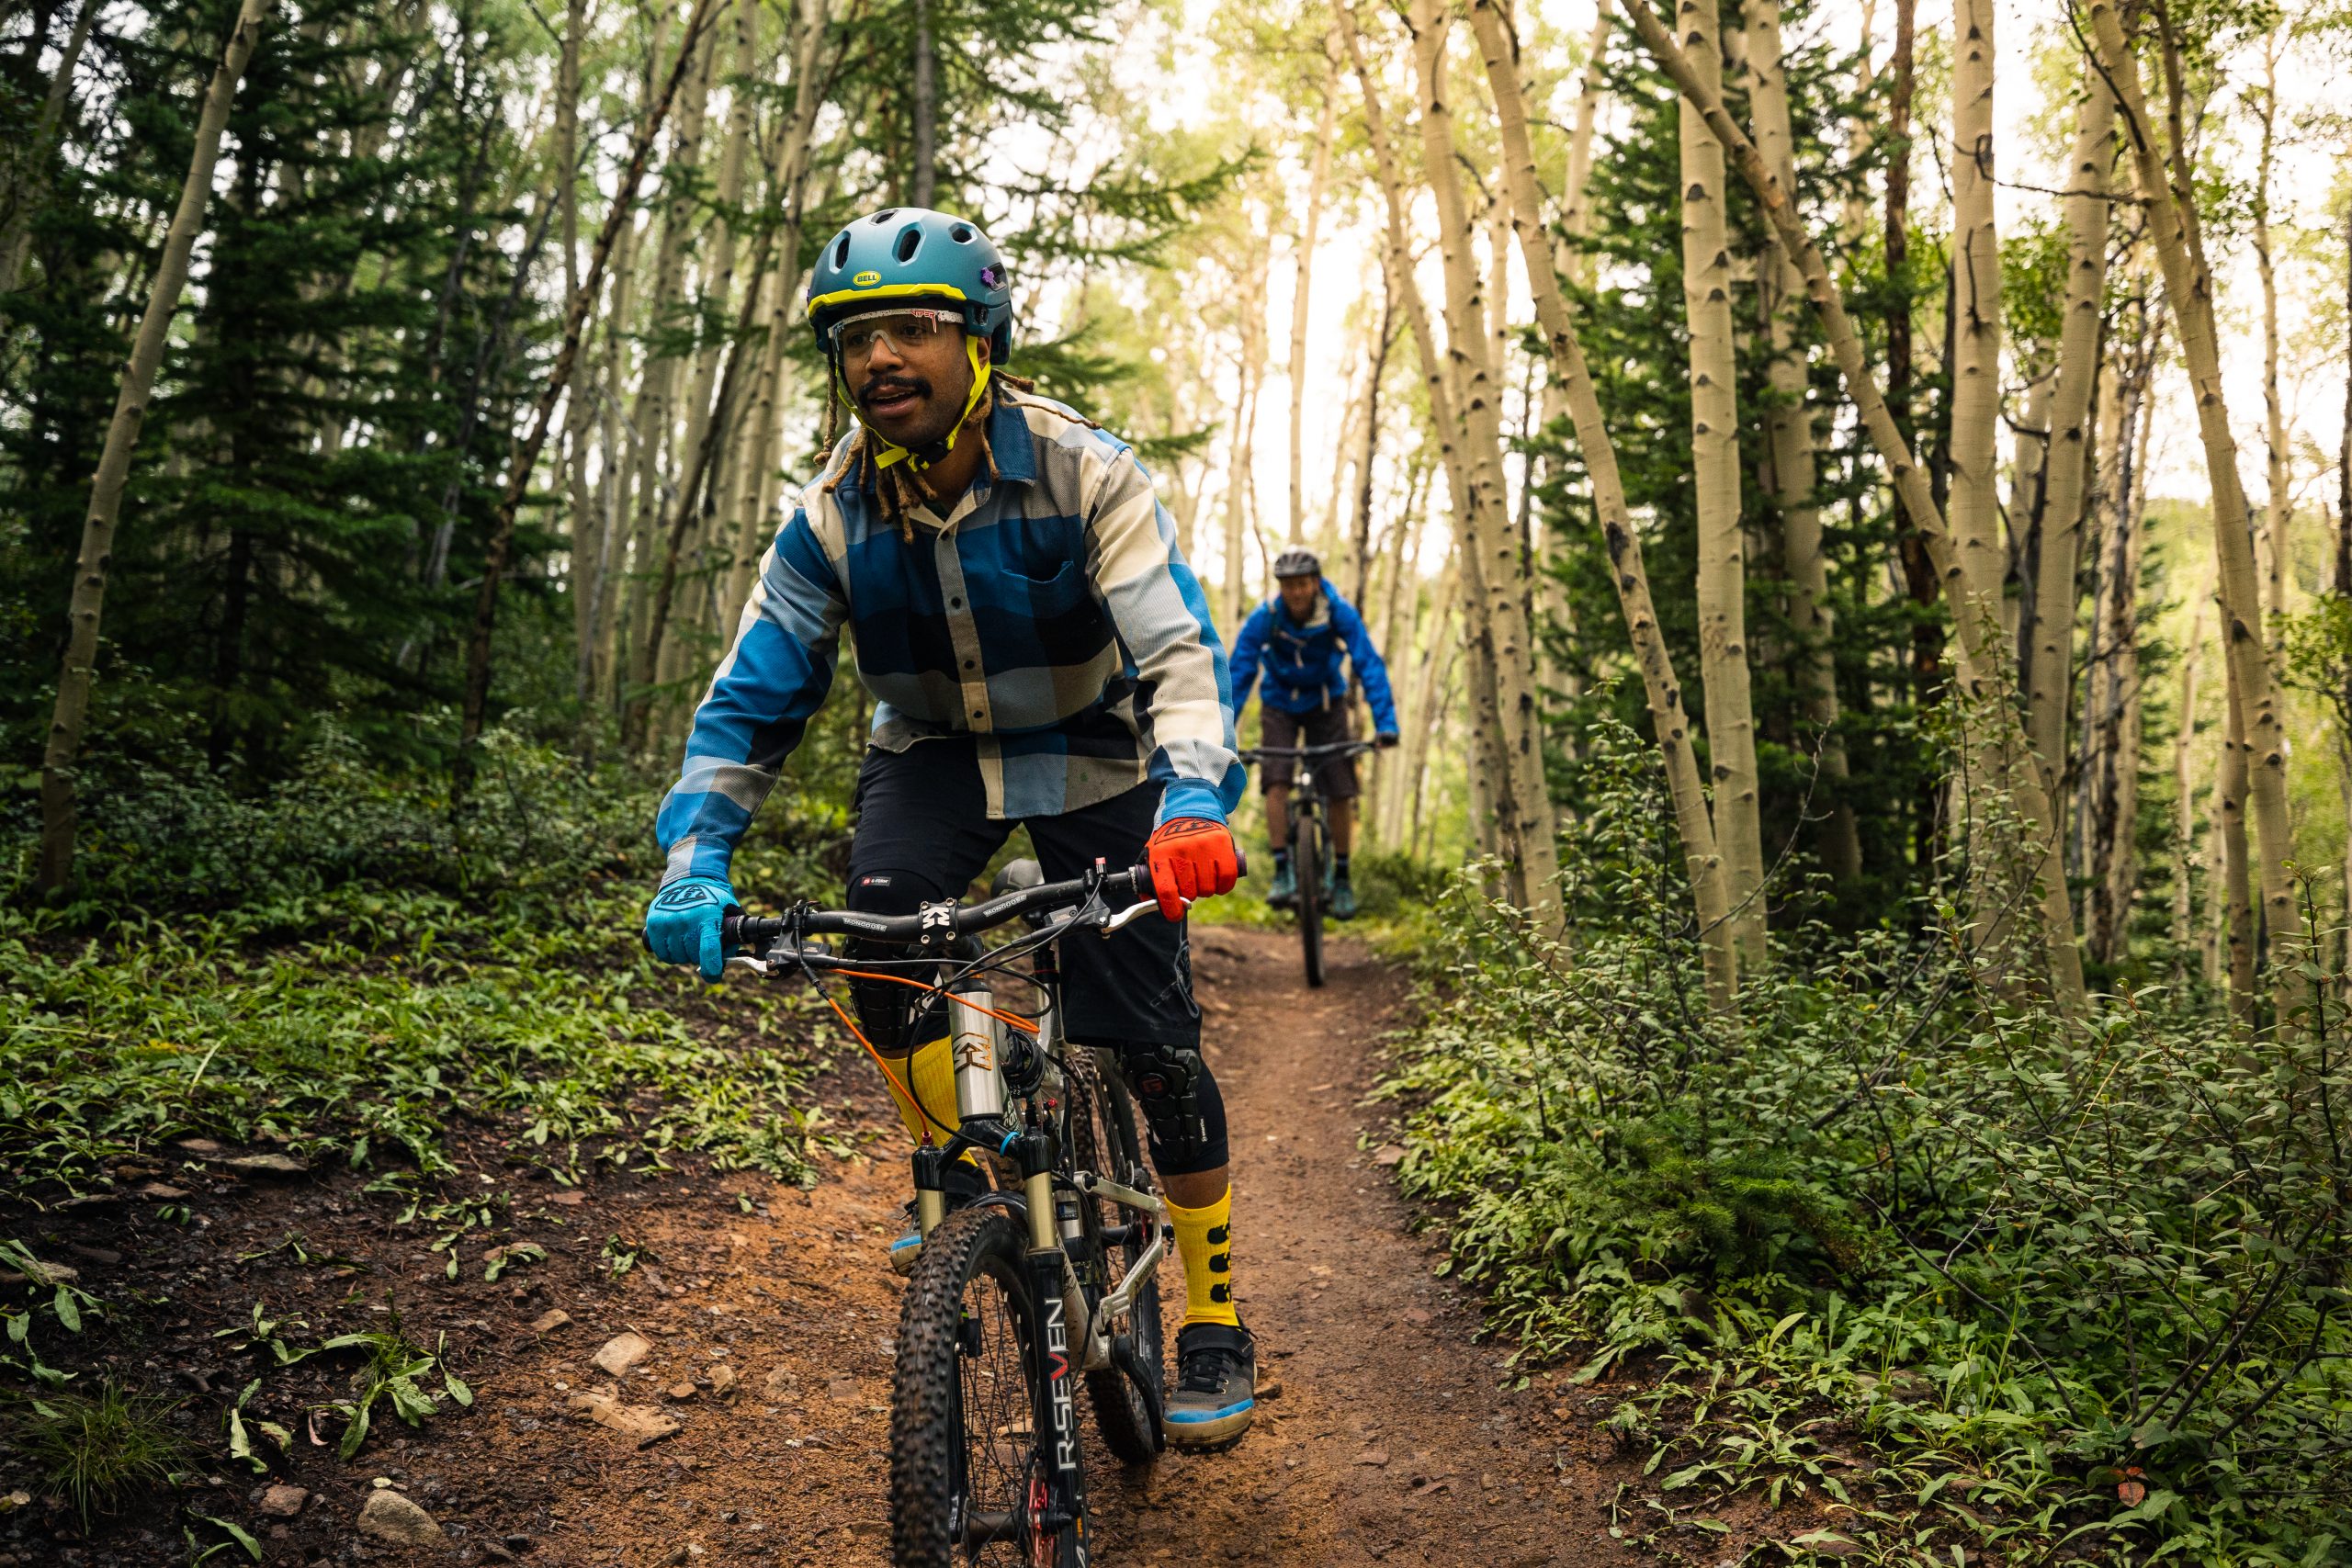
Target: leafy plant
2061 1280
390 1373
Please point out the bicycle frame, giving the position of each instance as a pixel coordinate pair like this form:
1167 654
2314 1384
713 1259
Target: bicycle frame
981 1041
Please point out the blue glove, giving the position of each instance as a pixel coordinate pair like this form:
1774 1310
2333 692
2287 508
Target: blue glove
682 923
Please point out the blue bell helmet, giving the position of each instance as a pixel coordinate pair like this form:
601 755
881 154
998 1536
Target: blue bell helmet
912 253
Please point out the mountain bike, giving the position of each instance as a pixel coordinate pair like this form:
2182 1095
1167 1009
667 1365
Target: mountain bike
1309 839
1019 1292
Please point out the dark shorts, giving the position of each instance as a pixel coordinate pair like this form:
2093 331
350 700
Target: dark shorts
923 833
1325 726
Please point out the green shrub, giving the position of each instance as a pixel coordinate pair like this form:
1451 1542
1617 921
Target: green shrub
2110 1253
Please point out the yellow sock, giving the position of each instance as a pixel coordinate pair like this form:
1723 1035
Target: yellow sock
931 1070
1204 1239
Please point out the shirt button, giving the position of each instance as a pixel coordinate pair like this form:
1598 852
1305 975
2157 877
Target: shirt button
977 713
968 663
954 604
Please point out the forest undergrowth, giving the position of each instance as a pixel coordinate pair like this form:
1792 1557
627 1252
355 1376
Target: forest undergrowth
1958 1273
336 969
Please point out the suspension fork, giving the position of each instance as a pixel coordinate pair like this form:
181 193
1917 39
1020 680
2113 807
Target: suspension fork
1056 1359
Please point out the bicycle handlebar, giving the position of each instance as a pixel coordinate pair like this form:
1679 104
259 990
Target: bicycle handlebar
925 927
1305 753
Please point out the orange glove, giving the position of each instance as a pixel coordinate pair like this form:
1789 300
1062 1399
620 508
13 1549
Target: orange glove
1192 857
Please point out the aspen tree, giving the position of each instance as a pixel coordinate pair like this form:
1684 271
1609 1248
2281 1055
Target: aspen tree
1485 769
1789 427
812 48
1977 318
1981 665
2189 285
2049 652
1240 476
2114 705
658 395
1498 573
15 235
62 753
1576 206
2184 803
1671 719
2277 511
525 455
1318 181
578 401
1715 483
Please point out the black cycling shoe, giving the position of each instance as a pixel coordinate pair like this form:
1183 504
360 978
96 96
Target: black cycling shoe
1216 1386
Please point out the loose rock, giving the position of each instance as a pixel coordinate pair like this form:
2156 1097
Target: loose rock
622 1352
389 1517
641 1424
283 1502
266 1165
722 1379
549 1321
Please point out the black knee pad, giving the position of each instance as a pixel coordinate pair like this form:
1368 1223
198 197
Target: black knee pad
888 1012
1184 1113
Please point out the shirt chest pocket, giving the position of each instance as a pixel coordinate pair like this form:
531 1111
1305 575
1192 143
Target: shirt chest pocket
1047 598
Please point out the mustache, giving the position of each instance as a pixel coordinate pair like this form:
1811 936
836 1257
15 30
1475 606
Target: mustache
891 385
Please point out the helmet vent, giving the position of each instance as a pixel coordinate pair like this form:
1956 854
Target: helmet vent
884 215
841 251
910 241
961 233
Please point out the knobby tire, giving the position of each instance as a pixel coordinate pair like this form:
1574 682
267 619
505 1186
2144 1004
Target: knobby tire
1308 856
963 1426
1102 1139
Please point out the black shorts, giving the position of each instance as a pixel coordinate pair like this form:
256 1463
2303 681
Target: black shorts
923 833
1325 726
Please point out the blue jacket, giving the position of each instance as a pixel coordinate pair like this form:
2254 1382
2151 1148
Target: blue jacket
1301 664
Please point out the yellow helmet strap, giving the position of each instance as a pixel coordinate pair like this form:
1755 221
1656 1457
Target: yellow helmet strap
889 452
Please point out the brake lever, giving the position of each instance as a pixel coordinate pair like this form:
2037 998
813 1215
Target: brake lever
1132 913
756 965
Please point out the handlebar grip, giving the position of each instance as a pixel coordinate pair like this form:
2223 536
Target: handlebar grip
739 933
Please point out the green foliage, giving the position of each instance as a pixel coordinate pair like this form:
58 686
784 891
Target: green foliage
1889 1208
97 1448
321 1006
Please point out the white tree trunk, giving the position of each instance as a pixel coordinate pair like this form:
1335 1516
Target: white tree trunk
2190 287
79 673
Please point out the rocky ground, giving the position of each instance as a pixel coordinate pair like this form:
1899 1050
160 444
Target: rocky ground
723 1400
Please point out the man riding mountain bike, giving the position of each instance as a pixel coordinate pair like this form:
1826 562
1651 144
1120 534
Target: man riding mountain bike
1296 639
1041 655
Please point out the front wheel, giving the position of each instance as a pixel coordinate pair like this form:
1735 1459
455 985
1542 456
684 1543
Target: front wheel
967 1478
1306 855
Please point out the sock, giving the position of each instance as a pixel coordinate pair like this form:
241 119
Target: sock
1339 868
1204 1240
931 1070
1281 858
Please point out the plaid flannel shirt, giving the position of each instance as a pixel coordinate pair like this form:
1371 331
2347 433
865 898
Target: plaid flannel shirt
1048 614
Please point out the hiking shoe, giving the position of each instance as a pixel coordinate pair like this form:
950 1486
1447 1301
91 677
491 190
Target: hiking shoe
1284 892
1343 902
1216 1386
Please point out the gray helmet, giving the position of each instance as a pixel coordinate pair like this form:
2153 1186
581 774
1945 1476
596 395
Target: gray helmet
1297 561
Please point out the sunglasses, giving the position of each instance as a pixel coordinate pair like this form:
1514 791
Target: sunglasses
855 339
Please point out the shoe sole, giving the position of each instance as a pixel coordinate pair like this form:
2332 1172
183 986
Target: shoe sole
1211 1436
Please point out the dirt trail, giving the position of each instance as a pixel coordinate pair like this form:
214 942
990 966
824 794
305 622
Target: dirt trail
1384 1438
753 1431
